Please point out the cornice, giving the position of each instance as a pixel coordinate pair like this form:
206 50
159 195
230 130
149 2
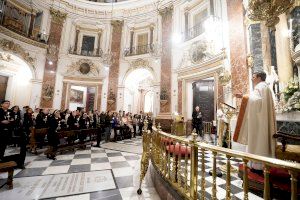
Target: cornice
21 38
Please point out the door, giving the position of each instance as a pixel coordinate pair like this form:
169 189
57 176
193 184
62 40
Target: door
3 86
203 96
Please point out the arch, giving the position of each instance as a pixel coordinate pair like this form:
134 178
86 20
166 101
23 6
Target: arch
9 47
139 64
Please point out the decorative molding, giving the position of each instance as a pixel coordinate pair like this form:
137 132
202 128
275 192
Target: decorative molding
75 69
16 49
80 28
58 16
199 52
21 38
117 24
5 57
166 12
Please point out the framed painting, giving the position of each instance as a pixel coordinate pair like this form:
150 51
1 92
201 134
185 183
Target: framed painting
76 96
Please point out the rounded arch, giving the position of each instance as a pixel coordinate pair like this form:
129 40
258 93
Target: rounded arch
17 59
133 68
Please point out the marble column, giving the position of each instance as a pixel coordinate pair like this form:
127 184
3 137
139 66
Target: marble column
32 17
131 41
283 54
56 26
64 95
165 80
76 41
179 110
117 27
255 38
99 95
238 50
99 43
266 46
186 24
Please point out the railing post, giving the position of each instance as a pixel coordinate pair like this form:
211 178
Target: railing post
293 184
267 183
194 167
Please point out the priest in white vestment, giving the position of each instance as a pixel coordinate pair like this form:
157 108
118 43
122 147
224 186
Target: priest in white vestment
256 123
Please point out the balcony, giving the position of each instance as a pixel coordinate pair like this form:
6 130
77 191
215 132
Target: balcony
90 53
195 31
138 50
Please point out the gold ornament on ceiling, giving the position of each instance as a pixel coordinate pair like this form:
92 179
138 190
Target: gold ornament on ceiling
268 10
83 67
14 48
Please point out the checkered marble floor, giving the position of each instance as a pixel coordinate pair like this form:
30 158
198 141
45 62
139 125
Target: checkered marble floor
125 169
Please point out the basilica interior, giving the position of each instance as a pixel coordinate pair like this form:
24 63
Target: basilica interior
149 99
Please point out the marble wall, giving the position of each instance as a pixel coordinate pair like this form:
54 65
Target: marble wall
256 46
114 68
55 33
238 50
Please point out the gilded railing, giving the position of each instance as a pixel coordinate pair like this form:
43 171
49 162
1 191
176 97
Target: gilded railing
176 160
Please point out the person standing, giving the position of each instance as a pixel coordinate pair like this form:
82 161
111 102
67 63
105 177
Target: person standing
53 137
5 126
197 121
256 123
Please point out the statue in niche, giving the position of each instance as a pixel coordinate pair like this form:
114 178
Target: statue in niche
271 79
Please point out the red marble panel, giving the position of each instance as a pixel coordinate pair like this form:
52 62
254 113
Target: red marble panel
238 48
180 96
114 68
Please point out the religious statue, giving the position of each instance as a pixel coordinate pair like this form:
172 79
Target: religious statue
271 79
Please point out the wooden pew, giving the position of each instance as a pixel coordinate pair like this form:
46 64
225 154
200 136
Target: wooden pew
9 168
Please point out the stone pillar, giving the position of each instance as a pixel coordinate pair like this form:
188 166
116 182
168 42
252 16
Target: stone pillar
283 54
131 41
151 35
165 80
179 97
117 27
76 41
164 117
64 96
186 24
266 46
255 38
99 43
99 93
56 27
238 50
32 17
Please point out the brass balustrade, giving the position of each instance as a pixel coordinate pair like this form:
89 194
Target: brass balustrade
181 169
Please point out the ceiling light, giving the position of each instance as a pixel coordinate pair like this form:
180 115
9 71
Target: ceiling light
50 62
176 38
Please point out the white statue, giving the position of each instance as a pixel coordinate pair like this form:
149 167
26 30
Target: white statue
272 78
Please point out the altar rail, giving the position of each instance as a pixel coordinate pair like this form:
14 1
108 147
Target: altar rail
178 165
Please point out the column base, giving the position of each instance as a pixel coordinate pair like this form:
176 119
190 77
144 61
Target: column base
165 120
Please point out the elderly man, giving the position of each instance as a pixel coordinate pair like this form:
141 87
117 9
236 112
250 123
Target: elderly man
197 121
256 121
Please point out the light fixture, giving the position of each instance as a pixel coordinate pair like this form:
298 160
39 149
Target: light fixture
50 62
176 38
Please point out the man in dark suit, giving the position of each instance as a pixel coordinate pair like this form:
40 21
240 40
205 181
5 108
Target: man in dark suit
5 126
197 121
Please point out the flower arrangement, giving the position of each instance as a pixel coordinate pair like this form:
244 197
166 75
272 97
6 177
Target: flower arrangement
292 96
290 89
293 103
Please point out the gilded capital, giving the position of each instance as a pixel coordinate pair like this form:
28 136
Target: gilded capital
58 16
117 23
166 12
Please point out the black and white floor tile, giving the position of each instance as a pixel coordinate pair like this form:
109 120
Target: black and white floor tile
122 164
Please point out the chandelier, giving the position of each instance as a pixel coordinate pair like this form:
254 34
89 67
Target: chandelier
268 10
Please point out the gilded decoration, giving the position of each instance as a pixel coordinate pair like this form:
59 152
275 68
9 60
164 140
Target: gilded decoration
266 10
83 67
199 52
10 46
117 23
5 57
58 16
166 12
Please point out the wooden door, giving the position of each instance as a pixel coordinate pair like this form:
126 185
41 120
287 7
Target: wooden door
203 96
3 86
